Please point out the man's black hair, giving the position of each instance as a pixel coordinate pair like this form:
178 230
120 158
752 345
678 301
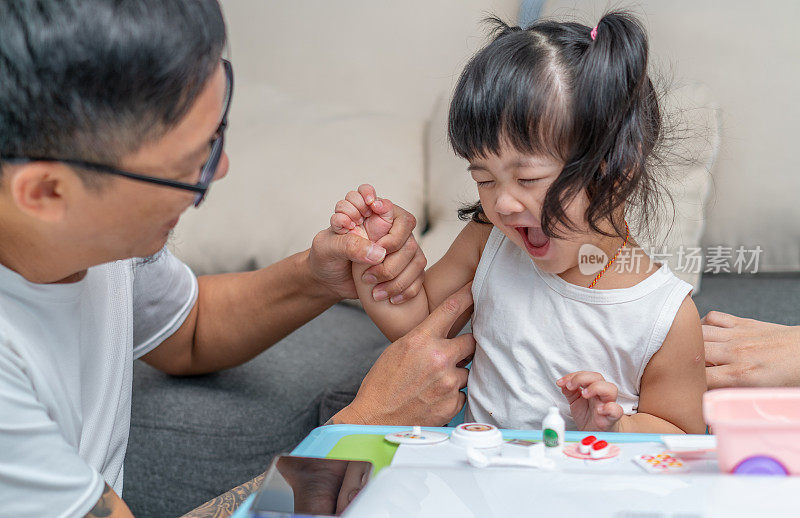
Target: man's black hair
94 80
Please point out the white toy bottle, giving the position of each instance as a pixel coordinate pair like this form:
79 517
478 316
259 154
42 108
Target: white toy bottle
553 432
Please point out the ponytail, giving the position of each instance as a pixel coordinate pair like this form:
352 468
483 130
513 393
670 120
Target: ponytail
617 123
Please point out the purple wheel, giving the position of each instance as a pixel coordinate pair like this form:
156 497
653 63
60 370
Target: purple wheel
760 465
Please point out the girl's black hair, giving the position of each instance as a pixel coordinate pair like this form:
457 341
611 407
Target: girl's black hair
550 89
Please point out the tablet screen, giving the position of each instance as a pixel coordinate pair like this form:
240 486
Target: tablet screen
309 486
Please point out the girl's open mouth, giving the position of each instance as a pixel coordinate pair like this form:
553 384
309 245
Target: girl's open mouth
536 242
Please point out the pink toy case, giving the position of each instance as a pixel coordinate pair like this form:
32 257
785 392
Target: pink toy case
757 429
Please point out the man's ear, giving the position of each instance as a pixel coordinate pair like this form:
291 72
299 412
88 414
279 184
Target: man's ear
39 189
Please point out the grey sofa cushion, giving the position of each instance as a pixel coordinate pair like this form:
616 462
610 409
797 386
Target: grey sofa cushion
194 438
771 297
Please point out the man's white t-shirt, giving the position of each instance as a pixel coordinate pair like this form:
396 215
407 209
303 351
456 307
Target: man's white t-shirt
66 365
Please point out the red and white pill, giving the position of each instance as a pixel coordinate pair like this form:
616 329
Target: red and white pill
586 443
599 449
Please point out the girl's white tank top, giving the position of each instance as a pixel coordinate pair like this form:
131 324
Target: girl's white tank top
532 328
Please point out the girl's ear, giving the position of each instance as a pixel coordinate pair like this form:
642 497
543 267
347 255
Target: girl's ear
40 190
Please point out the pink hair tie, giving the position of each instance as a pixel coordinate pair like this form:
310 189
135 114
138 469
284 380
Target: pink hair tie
593 34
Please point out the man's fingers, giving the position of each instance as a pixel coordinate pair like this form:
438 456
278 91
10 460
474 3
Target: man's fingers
715 334
719 319
721 377
360 250
440 321
396 288
367 192
718 353
462 375
461 348
408 256
465 361
402 226
412 291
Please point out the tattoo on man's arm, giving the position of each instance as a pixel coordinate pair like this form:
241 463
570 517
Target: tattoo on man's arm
103 507
224 505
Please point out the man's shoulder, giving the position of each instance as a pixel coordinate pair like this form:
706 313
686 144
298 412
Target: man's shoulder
162 260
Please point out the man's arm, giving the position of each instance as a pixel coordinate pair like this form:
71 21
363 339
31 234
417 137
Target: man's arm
239 315
225 504
110 505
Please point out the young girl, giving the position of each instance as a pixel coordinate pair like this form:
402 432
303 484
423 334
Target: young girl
557 122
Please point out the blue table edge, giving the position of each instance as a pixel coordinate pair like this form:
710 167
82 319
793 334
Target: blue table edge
322 439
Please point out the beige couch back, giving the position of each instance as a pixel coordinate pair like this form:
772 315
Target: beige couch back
373 54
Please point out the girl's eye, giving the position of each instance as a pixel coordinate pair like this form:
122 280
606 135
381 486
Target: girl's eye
484 184
523 181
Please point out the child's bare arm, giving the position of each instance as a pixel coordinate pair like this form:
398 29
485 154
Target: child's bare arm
454 270
673 383
457 268
393 318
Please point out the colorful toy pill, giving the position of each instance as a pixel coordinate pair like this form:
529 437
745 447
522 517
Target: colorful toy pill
586 444
599 449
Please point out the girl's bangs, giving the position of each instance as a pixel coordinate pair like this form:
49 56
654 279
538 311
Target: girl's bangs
513 98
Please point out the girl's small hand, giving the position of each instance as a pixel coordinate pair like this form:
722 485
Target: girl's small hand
592 401
363 213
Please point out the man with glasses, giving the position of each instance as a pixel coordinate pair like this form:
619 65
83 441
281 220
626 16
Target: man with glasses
207 172
112 121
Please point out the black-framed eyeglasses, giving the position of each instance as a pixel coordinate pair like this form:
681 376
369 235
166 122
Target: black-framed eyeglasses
206 174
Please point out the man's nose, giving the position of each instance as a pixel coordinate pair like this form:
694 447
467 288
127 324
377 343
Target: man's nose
507 205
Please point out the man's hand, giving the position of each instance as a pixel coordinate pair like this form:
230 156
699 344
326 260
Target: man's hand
592 401
398 262
742 352
417 380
